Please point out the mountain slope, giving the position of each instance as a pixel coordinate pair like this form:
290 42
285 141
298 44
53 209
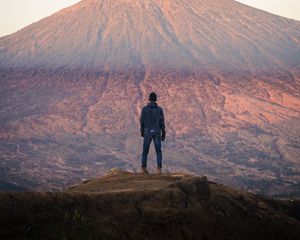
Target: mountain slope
123 205
227 76
219 34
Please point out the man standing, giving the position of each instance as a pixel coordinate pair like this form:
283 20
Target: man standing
152 127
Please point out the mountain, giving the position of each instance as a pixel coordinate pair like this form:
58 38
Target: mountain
122 205
227 76
201 35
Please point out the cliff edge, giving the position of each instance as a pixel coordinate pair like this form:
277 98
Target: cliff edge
123 205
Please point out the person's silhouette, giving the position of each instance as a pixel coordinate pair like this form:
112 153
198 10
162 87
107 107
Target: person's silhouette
152 127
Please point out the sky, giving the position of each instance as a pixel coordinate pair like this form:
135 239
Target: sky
285 8
16 14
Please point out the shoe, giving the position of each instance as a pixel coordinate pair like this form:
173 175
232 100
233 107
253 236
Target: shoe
158 170
144 170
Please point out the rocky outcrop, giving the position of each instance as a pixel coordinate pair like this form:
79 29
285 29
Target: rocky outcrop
124 205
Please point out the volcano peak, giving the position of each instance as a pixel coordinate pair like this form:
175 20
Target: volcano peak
166 34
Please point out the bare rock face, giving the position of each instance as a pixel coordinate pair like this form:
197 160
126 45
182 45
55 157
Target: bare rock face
227 76
123 205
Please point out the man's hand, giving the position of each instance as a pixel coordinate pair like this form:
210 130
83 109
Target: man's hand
163 136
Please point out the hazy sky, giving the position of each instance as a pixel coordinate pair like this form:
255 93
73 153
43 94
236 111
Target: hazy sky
285 8
16 14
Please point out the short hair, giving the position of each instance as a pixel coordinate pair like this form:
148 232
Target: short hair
153 97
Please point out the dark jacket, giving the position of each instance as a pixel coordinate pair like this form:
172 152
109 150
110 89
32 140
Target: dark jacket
152 118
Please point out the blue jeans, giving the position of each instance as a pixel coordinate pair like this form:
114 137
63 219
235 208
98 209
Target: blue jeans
157 143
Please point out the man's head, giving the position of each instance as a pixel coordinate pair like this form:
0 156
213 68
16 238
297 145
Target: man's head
152 97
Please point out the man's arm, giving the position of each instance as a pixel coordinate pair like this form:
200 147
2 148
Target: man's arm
142 121
162 125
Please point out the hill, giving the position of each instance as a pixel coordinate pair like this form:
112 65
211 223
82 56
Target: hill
123 205
227 76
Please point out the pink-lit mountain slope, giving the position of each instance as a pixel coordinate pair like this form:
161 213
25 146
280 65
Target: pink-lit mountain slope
227 76
205 34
